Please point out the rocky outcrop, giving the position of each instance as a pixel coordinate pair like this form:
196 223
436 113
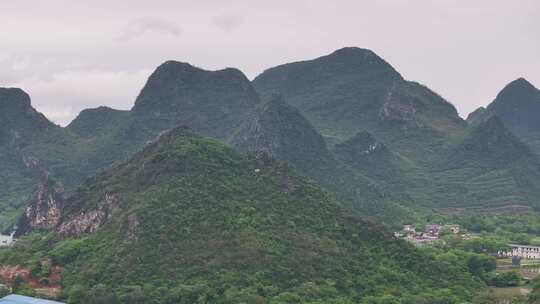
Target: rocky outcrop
89 221
396 111
44 208
397 108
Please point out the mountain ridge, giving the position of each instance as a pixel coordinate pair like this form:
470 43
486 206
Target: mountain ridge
356 89
415 126
212 102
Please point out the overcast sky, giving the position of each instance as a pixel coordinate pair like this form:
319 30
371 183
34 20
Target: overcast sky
71 55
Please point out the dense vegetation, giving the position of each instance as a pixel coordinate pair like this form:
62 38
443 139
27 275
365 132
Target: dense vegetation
188 220
282 132
196 221
352 90
212 103
440 160
518 228
429 158
29 144
534 297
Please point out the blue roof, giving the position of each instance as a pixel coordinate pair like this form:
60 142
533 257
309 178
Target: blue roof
17 299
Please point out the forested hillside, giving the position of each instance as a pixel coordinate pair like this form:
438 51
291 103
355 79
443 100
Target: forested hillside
188 219
353 91
389 148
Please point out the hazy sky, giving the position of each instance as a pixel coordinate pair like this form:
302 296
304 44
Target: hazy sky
71 55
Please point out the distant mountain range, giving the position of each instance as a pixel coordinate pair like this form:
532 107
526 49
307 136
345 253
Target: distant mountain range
217 189
387 147
434 163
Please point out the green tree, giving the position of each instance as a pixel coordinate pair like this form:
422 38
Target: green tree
479 264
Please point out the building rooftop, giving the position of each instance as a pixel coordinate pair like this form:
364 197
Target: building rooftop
528 246
17 299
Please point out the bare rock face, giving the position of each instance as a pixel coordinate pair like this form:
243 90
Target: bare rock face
397 108
89 221
393 111
44 209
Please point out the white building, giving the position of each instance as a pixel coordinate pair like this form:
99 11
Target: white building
523 251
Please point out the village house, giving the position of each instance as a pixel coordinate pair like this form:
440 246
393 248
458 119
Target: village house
432 229
429 235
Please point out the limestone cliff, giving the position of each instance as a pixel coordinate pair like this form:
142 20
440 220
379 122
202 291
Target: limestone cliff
88 221
44 208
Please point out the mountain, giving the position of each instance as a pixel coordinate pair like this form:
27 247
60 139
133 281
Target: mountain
188 218
382 144
352 90
282 132
221 104
101 121
213 103
518 107
19 118
488 166
426 153
488 145
29 146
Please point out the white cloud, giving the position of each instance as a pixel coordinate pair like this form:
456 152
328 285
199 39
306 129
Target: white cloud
228 22
139 27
